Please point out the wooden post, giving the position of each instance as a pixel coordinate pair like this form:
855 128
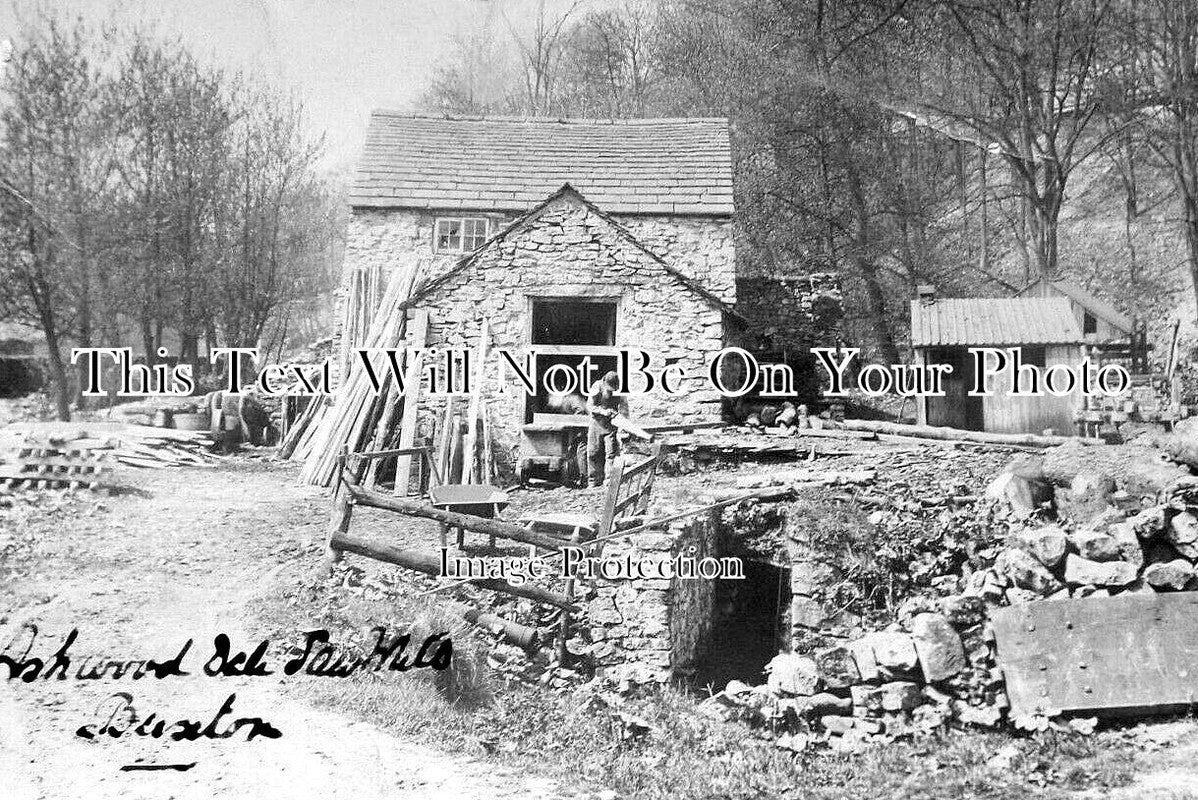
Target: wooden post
470 472
343 510
564 636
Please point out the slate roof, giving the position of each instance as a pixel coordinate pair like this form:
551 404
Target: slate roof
979 322
1095 305
645 166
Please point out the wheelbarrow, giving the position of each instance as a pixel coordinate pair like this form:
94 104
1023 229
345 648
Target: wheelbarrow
554 449
475 499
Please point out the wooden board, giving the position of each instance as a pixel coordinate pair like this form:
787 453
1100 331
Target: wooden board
1131 652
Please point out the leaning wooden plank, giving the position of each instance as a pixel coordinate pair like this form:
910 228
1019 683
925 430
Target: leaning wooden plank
417 333
470 472
430 564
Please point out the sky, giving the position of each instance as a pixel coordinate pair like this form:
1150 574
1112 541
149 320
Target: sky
342 57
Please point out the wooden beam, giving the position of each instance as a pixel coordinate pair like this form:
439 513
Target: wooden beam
430 564
979 437
416 508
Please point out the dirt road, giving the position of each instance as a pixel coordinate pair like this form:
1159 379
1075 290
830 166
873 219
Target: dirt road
188 561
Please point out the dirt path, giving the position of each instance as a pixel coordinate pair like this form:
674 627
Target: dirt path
188 562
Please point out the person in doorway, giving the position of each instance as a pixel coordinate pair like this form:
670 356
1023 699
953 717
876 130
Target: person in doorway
603 444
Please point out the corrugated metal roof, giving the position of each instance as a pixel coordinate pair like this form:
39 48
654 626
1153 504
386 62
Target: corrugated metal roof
645 166
980 322
1089 301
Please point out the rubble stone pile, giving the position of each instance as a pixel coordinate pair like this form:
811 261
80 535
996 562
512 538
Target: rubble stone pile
936 665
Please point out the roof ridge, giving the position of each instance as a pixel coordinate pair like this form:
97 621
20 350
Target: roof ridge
396 113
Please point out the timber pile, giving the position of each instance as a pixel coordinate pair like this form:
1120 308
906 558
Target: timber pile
84 454
358 417
361 420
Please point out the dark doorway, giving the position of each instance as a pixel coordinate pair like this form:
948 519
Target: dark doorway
748 628
566 332
956 409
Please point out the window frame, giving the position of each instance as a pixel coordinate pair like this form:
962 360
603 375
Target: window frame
462 237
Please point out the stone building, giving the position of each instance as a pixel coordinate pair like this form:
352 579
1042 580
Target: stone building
576 237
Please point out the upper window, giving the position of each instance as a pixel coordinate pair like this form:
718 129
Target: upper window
459 234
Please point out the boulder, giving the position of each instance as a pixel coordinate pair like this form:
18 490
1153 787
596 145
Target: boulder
899 695
1089 495
1125 536
893 650
1149 522
1025 572
866 699
837 668
1094 545
836 725
822 703
1047 544
963 610
1169 575
864 658
1182 533
1023 490
1081 571
941 654
792 674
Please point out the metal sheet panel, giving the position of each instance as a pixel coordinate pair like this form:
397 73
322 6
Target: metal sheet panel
985 322
1111 654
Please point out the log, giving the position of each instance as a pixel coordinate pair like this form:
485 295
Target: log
628 426
431 565
416 508
978 437
520 635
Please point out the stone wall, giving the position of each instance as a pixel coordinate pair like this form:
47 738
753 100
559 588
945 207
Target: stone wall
570 252
702 248
790 312
648 630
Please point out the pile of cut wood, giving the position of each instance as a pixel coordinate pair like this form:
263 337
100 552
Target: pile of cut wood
84 454
359 419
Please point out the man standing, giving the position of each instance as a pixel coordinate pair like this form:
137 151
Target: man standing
602 443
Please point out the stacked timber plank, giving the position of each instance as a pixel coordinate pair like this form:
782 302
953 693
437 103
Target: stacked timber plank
358 418
83 454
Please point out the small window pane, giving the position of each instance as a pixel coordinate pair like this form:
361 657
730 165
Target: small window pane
474 233
449 234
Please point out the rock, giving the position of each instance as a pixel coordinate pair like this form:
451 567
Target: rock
822 703
1130 550
1047 545
982 716
899 695
1149 522
1170 575
941 654
1138 586
963 611
1080 571
1182 533
1023 493
806 613
792 674
1025 572
894 651
1084 591
837 667
866 661
837 725
736 687
1094 545
866 699
1017 597
1088 496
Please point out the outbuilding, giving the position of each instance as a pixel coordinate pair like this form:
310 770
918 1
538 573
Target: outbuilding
943 331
